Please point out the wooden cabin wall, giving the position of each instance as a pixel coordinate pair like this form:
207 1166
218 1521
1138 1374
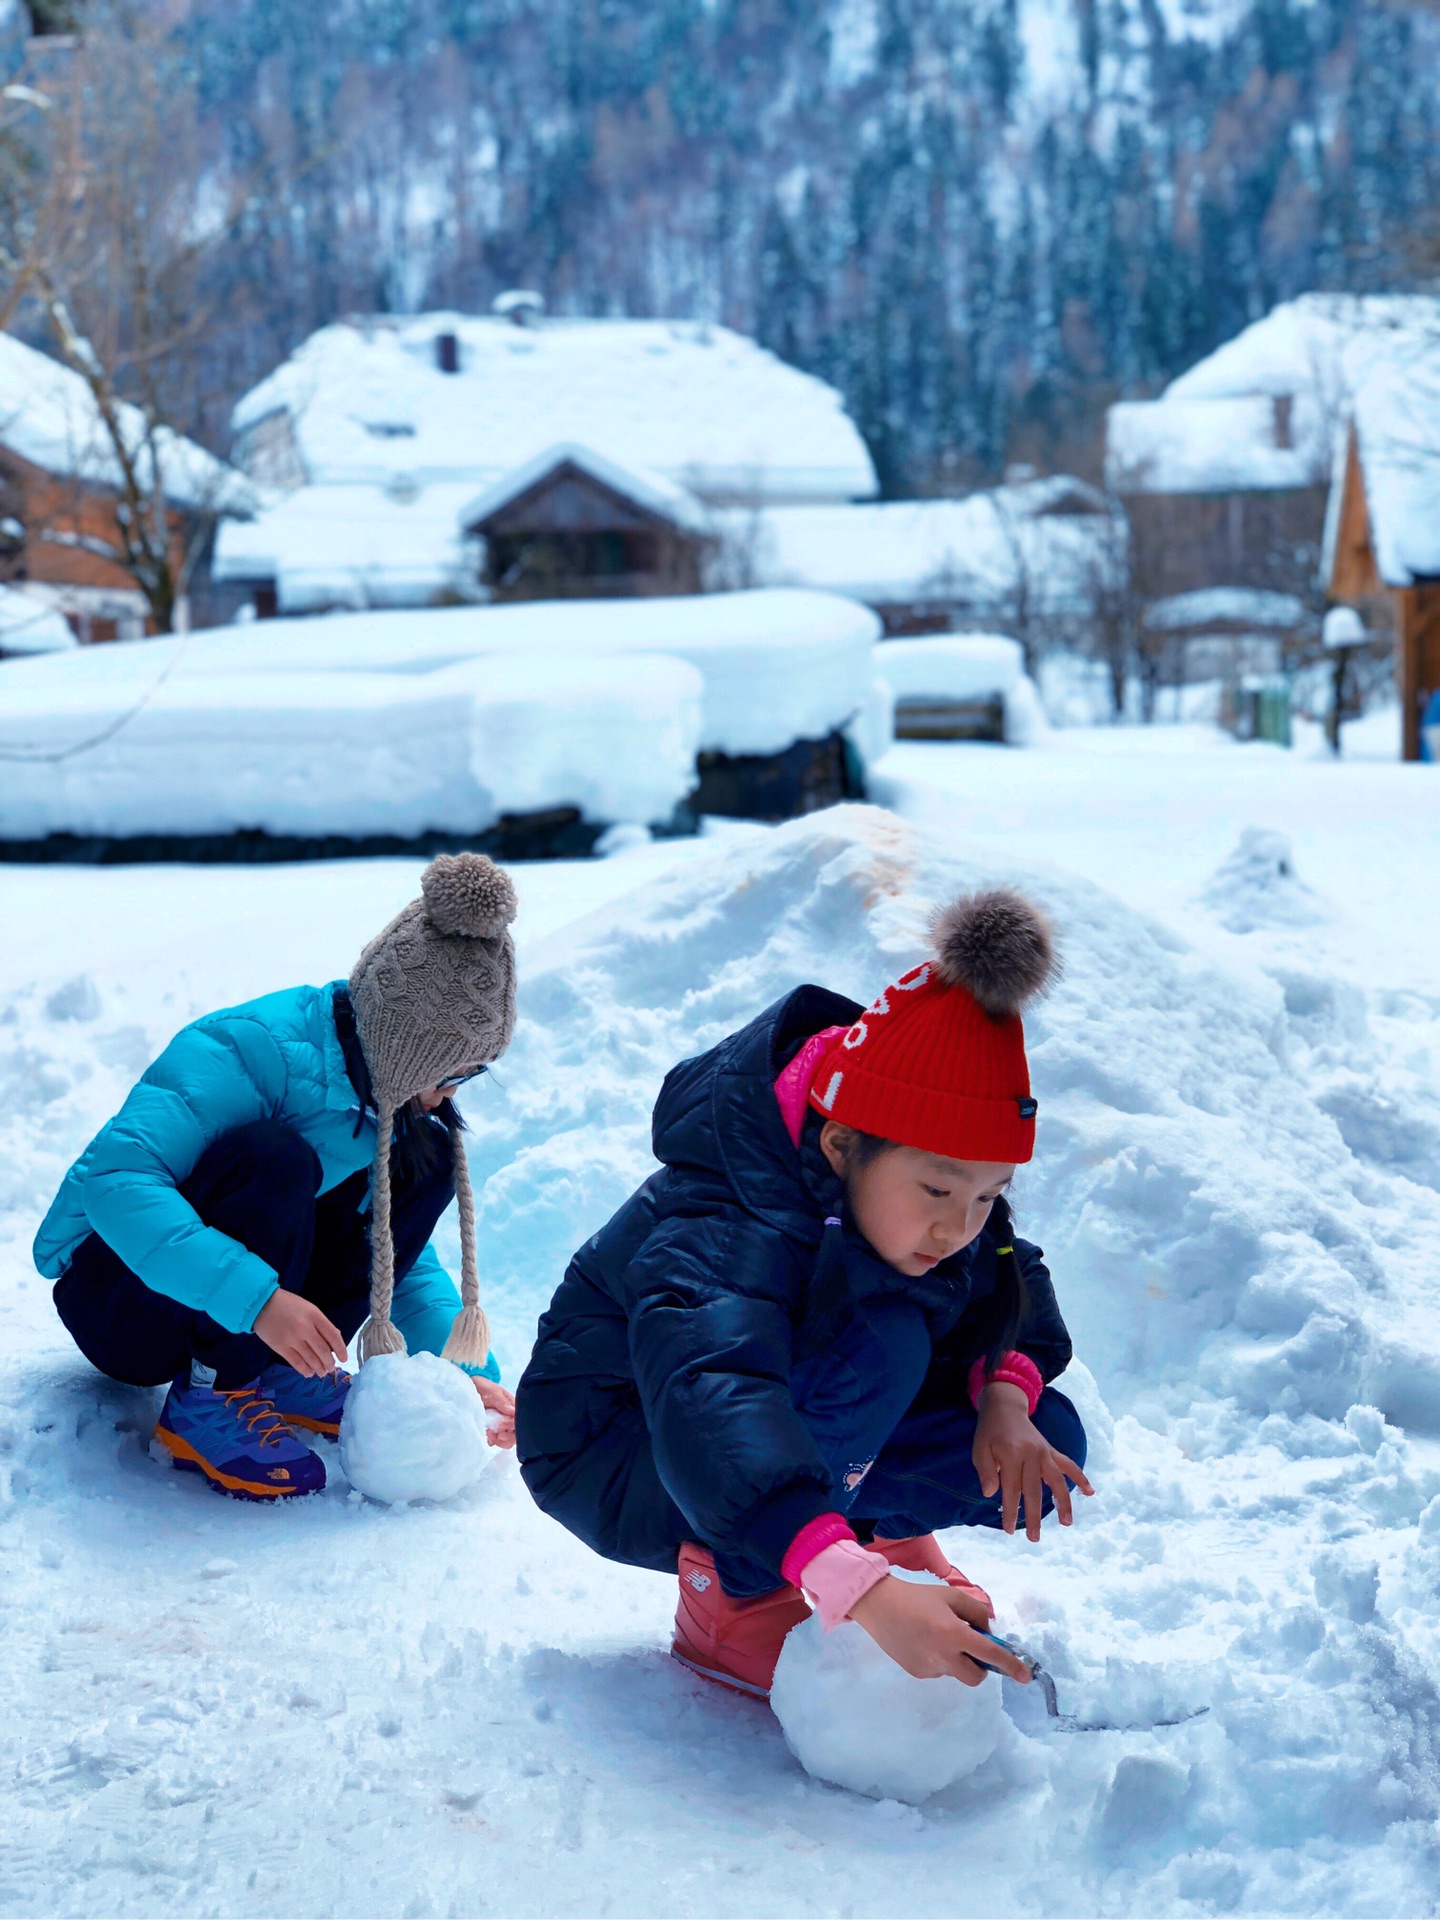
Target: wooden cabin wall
1182 542
64 523
1419 658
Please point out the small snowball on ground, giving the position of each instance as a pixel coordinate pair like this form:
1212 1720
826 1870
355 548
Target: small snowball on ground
851 1716
413 1429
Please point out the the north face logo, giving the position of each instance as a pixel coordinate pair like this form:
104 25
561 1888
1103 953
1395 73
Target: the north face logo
278 1473
699 1581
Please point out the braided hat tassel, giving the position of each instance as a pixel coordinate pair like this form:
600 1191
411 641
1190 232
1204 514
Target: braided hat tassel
379 1333
469 1342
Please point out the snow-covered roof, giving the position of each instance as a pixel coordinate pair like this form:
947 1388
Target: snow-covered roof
1230 444
31 625
49 417
707 408
1226 607
654 491
355 547
1263 411
969 551
1397 433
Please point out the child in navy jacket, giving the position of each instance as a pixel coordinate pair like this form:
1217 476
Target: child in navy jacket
811 1338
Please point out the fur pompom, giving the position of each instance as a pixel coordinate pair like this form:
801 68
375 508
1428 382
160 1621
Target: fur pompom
467 894
998 945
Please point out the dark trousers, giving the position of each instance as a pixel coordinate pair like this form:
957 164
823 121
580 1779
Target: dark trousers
258 1185
899 1466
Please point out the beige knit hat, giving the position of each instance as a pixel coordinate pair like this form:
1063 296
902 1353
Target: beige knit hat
434 996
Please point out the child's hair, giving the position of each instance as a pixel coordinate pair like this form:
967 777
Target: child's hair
1011 1298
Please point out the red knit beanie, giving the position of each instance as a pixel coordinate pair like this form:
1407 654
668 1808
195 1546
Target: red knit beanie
938 1062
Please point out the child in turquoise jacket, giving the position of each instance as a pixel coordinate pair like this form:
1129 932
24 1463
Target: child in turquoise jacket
279 1170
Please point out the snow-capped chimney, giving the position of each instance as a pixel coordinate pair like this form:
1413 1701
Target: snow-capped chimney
447 352
520 306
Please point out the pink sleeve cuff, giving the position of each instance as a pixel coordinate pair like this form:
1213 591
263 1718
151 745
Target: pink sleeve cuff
1018 1369
840 1575
813 1538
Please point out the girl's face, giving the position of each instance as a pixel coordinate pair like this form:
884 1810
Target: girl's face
915 1208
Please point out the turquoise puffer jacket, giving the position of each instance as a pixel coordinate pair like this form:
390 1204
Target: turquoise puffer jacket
277 1058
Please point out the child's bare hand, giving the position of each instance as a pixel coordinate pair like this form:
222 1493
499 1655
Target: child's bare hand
497 1399
923 1629
1012 1456
298 1331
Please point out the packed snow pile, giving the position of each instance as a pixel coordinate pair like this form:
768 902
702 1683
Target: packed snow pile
852 1716
435 720
413 1429
450 750
1257 886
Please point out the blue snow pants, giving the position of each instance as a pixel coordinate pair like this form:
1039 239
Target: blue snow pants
896 1470
258 1184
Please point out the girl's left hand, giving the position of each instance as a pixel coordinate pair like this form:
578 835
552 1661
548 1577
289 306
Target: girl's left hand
497 1399
1012 1455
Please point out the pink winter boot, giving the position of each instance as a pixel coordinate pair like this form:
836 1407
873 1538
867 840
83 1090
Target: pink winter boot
733 1642
922 1553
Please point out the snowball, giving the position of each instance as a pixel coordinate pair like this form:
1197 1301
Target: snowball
413 1429
850 1715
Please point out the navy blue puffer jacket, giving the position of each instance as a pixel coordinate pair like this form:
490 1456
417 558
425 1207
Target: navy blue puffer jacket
656 1406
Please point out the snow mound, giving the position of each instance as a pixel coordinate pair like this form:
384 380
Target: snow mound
413 1429
851 1716
1257 886
449 750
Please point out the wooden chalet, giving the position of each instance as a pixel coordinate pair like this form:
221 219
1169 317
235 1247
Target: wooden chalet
57 534
571 525
1383 546
61 536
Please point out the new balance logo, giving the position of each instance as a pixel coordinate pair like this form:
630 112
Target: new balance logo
699 1581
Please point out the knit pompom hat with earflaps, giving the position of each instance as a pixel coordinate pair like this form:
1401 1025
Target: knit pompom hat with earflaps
434 995
938 1061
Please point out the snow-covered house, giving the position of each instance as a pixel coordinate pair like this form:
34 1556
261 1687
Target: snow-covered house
570 524
1383 531
1031 557
598 449
60 488
1226 475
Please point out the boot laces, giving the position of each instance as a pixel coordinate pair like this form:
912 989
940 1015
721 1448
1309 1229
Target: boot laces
258 1413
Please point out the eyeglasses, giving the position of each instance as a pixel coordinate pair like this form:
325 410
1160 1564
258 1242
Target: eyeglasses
458 1079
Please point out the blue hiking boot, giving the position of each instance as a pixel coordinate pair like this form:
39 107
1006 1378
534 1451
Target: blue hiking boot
238 1441
314 1404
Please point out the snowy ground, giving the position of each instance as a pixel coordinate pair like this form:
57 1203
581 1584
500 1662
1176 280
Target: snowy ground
345 1709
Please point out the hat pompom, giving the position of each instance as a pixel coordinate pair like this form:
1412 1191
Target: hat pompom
999 946
467 894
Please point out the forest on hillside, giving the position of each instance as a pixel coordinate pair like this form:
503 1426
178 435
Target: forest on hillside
981 219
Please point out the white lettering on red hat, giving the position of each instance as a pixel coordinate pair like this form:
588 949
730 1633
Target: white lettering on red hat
907 983
827 1099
